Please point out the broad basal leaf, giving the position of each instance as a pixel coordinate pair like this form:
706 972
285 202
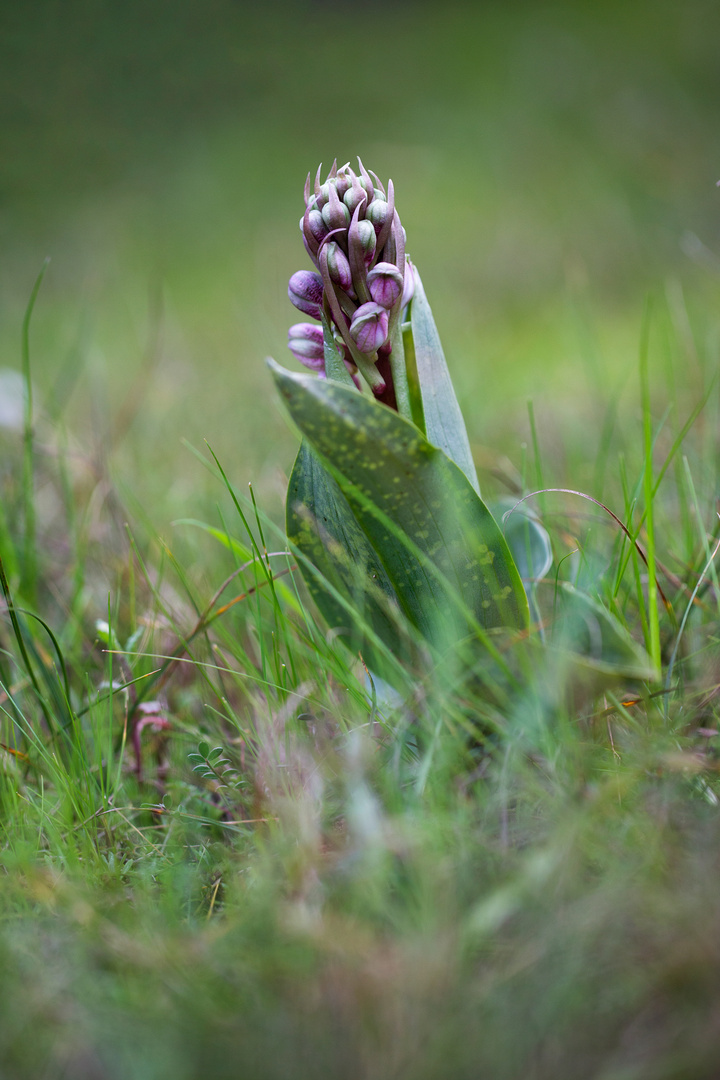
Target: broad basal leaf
322 526
442 552
443 421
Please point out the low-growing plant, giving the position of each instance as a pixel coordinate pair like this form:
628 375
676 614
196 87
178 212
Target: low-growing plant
456 818
384 510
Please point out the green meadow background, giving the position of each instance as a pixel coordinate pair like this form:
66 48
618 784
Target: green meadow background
553 164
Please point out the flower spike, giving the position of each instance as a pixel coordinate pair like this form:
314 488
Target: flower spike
353 235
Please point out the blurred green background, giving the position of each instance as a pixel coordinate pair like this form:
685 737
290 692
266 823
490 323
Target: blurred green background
553 164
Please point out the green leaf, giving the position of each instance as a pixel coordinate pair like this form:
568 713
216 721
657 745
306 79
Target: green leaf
583 627
443 421
443 554
322 526
527 538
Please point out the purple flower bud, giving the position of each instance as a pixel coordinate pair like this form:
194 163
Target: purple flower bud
385 283
338 266
335 214
305 290
361 251
355 195
305 342
377 213
408 284
314 229
369 328
343 181
366 240
316 226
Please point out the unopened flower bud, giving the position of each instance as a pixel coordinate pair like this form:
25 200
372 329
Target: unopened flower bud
343 182
377 213
385 283
369 328
305 290
305 342
338 266
355 195
408 284
314 229
366 240
335 214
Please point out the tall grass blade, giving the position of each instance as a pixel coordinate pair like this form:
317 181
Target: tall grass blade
28 581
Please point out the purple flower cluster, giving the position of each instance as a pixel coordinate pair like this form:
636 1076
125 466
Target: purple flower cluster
362 281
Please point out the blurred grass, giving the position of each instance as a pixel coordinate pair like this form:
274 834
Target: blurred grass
548 906
549 160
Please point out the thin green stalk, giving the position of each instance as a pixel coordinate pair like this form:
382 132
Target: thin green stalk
28 583
632 552
677 443
398 367
17 629
411 372
652 605
539 480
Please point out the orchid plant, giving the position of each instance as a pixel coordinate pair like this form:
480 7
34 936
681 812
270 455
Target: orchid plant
384 510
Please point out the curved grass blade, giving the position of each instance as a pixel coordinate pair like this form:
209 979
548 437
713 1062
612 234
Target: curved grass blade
527 538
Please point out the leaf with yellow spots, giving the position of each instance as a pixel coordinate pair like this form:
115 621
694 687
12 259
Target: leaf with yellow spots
343 573
439 548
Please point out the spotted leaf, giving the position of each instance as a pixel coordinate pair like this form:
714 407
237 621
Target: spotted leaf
439 547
